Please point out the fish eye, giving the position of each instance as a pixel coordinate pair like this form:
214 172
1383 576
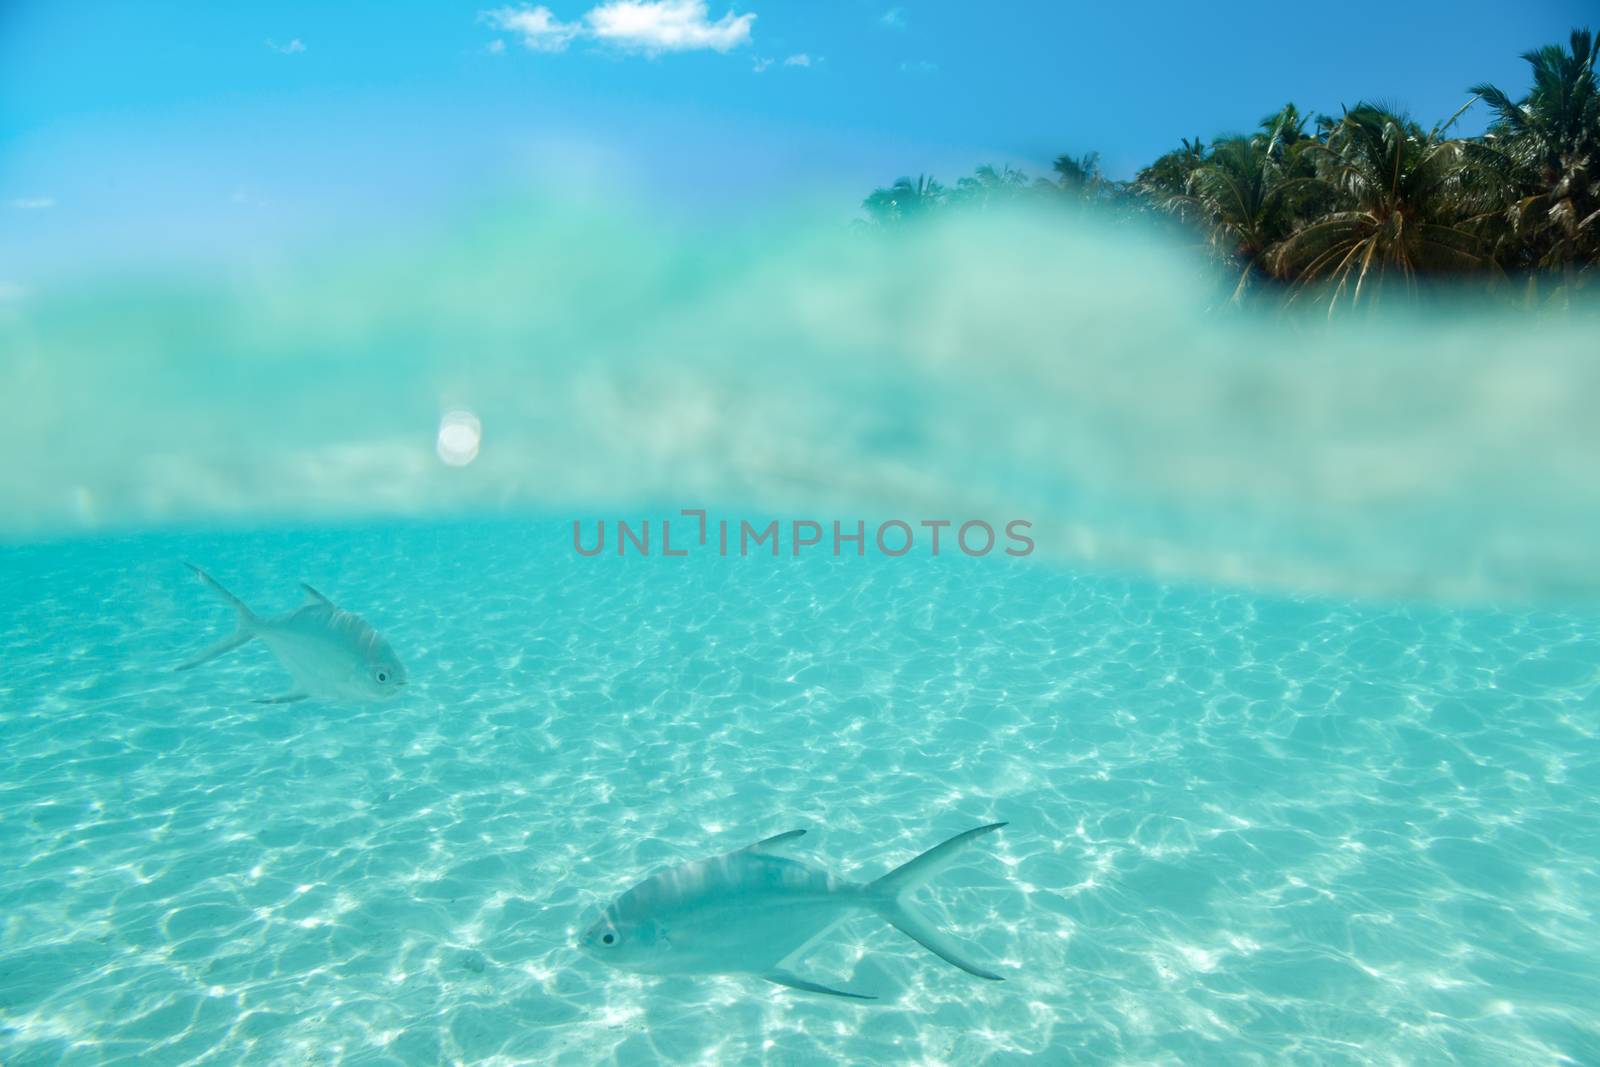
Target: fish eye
609 939
383 676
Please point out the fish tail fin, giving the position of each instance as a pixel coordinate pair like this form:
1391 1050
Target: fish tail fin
888 896
245 631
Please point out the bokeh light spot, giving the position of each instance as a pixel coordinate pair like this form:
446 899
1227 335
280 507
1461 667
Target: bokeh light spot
459 435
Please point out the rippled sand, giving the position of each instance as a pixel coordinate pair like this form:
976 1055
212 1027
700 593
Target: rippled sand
1242 830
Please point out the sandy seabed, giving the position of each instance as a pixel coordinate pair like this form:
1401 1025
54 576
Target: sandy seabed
1243 830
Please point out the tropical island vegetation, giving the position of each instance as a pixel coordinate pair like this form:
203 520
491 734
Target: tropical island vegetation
1355 209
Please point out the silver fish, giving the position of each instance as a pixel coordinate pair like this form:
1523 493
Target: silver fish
331 653
753 912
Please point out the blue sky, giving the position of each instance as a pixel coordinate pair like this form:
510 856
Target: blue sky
191 131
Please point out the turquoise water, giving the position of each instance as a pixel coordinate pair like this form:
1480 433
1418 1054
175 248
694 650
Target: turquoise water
1293 713
1244 827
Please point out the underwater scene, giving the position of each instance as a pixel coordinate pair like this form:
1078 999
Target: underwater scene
574 611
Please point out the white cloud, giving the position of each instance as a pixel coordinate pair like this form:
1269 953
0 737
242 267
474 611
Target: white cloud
537 26
11 292
33 203
294 47
799 60
894 18
651 26
666 26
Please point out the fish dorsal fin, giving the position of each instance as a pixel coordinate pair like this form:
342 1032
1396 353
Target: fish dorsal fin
314 597
766 844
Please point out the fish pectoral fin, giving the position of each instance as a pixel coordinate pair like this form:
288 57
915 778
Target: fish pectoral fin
777 839
227 644
287 698
794 981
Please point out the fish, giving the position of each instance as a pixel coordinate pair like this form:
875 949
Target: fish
330 653
755 912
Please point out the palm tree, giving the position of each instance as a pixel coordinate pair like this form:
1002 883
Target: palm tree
989 186
1286 124
904 200
1244 195
1400 209
1079 178
1552 139
1168 176
1357 206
